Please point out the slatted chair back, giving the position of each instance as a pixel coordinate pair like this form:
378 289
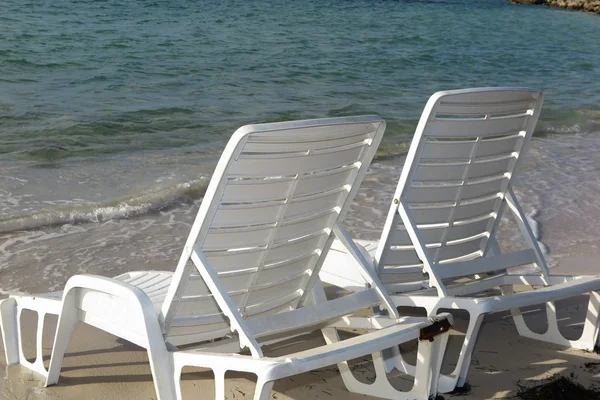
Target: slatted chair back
450 196
266 223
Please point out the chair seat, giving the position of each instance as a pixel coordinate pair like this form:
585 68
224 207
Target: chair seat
573 286
154 283
349 277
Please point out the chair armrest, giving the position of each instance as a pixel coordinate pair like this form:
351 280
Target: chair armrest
113 306
109 286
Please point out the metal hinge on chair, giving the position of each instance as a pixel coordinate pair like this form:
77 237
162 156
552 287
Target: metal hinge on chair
437 328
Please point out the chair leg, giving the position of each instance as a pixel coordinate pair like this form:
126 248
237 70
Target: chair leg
591 328
438 350
10 336
175 385
394 359
466 352
219 384
427 371
518 320
429 364
177 367
66 323
589 337
11 312
458 377
263 389
352 384
161 364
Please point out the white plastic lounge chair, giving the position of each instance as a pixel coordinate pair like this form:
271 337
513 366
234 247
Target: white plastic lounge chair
444 216
247 271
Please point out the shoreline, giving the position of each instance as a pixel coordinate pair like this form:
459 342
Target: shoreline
100 366
592 6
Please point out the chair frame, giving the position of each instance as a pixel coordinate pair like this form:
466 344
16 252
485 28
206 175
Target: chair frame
488 271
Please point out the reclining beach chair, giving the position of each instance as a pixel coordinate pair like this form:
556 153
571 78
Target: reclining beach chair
248 274
438 249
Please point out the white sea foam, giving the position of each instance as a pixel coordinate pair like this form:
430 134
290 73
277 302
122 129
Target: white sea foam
535 227
574 128
69 212
536 230
558 189
13 178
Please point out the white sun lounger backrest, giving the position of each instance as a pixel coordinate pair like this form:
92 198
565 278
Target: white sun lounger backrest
465 152
265 223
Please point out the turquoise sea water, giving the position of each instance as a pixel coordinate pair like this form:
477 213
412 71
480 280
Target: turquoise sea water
113 113
86 78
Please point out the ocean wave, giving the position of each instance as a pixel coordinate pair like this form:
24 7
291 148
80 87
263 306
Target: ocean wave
26 63
122 208
537 234
535 229
574 128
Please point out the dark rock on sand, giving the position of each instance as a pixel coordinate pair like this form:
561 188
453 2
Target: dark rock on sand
582 5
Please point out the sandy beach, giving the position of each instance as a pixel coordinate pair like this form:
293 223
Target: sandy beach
100 366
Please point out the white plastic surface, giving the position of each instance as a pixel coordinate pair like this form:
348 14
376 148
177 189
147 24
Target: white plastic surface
452 191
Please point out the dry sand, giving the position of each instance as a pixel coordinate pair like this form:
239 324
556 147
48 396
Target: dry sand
100 366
